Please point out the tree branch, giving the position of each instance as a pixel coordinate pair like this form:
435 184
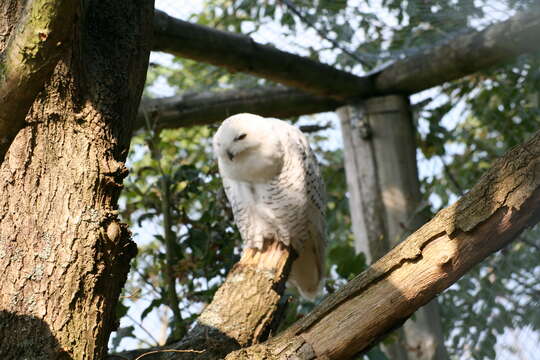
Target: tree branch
244 311
504 202
238 52
464 55
458 57
211 107
27 63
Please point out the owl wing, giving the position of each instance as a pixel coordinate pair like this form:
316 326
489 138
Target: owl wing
304 179
240 202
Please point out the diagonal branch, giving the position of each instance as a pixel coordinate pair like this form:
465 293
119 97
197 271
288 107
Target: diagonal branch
504 202
244 311
32 52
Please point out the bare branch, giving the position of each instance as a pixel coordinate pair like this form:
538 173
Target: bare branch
464 55
244 311
458 57
238 52
503 203
210 107
29 59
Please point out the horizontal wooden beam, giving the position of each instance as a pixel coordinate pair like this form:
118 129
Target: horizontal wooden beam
211 107
238 52
461 56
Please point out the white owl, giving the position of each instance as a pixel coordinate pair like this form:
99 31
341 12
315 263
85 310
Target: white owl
273 183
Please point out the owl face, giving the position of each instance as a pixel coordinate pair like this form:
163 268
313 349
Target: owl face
234 140
247 148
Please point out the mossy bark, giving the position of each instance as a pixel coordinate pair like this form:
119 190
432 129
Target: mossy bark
64 254
29 55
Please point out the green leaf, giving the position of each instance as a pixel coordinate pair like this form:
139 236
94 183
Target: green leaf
154 304
376 354
348 263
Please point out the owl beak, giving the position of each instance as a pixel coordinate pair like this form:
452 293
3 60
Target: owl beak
230 155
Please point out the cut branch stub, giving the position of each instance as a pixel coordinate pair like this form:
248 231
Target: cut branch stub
245 310
245 306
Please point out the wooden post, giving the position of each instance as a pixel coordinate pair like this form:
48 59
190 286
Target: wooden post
385 201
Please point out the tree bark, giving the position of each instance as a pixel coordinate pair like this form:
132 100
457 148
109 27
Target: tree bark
29 55
504 202
382 177
245 310
64 254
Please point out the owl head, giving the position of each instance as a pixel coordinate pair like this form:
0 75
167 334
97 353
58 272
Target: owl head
248 146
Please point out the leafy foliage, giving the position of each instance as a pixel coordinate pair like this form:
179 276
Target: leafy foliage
502 292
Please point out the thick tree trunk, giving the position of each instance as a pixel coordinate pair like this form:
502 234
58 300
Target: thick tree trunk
64 255
498 208
382 177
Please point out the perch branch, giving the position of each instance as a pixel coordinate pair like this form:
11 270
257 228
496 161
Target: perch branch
504 202
458 57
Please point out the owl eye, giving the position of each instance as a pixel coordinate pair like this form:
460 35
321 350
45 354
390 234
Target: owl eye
240 137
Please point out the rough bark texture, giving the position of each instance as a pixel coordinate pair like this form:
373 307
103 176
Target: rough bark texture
211 107
503 203
383 181
245 310
245 307
64 255
458 57
29 55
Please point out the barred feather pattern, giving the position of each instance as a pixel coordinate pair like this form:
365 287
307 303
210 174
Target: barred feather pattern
288 206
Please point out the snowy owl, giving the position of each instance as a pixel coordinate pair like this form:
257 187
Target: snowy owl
272 181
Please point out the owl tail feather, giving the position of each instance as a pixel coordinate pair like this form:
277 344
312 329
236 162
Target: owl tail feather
307 272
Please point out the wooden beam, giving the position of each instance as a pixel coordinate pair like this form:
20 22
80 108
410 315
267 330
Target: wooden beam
238 52
464 55
211 107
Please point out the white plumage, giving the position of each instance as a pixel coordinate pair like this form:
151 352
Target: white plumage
273 183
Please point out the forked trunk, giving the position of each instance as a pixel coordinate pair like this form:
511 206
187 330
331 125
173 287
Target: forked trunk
64 255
